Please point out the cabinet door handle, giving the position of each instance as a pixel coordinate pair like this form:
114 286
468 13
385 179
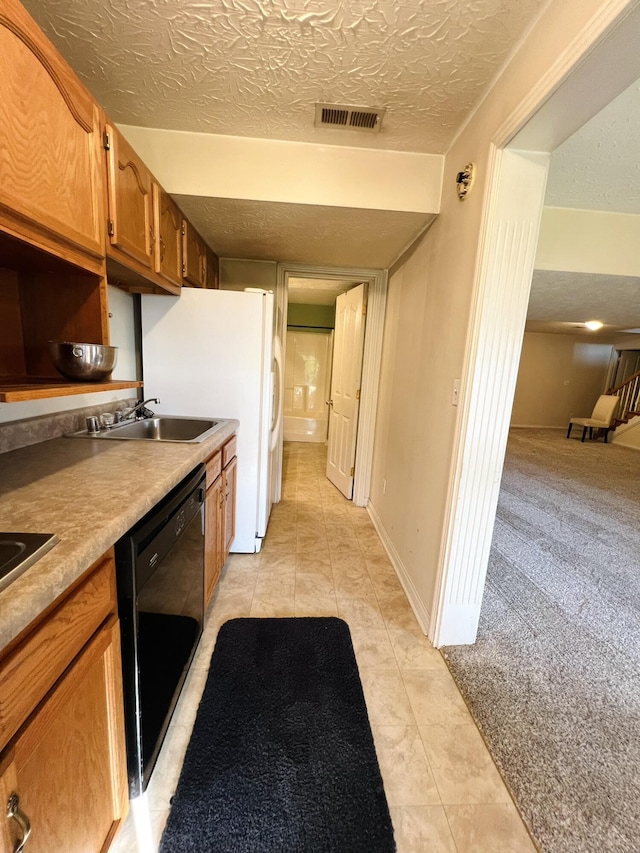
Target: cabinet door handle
13 811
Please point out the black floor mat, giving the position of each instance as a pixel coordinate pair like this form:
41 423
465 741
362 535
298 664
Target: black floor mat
281 757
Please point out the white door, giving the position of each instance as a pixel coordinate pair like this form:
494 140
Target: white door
345 388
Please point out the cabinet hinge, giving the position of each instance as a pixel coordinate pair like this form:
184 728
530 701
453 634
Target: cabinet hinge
111 229
106 141
184 269
364 310
353 471
358 394
184 230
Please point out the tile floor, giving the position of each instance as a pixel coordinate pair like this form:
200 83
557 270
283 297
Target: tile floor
321 557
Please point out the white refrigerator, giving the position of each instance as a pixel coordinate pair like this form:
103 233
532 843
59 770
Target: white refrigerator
209 353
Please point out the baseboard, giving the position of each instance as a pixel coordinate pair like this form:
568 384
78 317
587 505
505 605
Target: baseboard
535 426
419 610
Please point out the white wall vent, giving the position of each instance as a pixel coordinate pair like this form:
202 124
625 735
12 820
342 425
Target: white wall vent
342 117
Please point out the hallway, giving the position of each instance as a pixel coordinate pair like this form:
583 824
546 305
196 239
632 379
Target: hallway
322 556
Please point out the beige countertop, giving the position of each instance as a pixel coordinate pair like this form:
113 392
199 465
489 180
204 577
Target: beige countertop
89 492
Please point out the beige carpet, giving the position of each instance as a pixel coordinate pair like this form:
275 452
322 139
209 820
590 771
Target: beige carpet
554 678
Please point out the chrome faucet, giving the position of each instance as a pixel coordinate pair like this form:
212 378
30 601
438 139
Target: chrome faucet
139 412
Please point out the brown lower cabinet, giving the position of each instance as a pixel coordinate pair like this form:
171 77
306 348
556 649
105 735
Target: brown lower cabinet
213 555
64 769
229 474
220 512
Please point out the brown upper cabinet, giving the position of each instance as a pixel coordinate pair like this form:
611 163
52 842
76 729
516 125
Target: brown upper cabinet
194 256
168 231
51 176
200 265
73 217
151 246
130 224
213 270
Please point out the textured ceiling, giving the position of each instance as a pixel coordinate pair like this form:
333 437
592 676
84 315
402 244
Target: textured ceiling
598 168
316 291
256 67
303 233
560 301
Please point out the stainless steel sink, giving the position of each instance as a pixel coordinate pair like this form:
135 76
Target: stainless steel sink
159 428
18 551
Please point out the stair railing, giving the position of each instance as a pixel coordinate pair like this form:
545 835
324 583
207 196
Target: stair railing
629 393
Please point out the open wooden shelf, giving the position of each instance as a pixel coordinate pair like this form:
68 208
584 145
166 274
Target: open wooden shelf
19 389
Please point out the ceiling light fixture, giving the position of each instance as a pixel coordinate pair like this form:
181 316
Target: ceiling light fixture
593 325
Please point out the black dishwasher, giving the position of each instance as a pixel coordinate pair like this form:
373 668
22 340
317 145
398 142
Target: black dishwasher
160 577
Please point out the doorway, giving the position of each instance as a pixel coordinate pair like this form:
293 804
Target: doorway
516 175
307 377
300 285
323 370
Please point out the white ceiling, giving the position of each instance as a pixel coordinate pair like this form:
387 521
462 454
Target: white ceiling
598 168
257 67
317 291
562 301
303 233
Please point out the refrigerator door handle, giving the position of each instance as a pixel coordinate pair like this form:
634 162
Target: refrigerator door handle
276 414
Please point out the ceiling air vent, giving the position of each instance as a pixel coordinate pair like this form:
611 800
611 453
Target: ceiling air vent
342 117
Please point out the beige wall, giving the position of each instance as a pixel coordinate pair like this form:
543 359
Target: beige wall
628 435
238 274
430 311
207 164
592 241
314 316
560 376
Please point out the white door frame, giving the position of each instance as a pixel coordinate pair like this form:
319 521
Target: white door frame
582 81
374 329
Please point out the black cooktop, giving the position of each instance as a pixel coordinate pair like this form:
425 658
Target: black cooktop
18 551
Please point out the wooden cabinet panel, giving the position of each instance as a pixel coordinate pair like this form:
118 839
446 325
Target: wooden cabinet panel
214 467
194 256
213 270
229 474
29 671
10 832
213 551
130 201
229 450
51 185
67 764
168 231
220 512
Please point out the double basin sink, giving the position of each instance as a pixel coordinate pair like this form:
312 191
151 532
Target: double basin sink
159 428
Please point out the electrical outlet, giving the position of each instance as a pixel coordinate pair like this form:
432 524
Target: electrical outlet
456 392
